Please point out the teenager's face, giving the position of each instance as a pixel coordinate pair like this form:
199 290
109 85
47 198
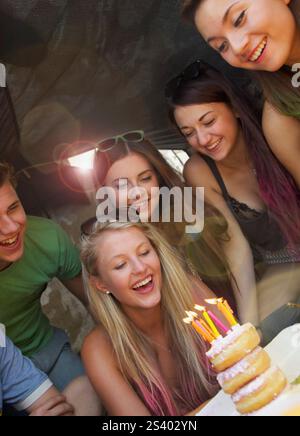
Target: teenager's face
134 172
12 226
211 129
129 268
249 34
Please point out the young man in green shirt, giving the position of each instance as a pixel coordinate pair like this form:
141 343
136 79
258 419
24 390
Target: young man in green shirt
32 252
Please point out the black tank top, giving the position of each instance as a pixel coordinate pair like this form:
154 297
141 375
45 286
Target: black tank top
260 228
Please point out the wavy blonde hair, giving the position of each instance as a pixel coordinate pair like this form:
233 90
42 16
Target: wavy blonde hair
195 381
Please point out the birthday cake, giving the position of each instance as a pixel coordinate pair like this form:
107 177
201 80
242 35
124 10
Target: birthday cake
244 369
231 349
287 404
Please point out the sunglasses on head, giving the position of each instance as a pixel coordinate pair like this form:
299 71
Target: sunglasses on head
192 72
109 143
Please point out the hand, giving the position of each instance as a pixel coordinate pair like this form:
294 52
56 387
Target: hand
55 406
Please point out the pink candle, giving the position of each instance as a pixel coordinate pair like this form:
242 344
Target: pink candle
202 330
218 322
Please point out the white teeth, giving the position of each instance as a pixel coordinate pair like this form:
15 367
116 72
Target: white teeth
143 283
9 241
258 51
210 148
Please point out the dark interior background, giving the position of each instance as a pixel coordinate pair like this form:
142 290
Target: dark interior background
82 70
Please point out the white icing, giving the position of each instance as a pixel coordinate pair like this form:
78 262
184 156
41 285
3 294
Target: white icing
268 407
254 386
239 368
221 344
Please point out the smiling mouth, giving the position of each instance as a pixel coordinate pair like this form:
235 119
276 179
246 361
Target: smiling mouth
214 146
257 54
11 242
143 285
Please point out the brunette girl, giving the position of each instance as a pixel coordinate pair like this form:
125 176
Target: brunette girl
252 189
262 36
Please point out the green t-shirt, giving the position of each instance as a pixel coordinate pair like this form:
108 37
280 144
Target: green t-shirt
48 253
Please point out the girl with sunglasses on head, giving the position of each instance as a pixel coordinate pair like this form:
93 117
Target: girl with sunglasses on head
143 359
246 182
132 162
262 36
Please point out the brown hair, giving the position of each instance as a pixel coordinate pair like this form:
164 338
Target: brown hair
277 86
7 174
188 10
165 173
279 91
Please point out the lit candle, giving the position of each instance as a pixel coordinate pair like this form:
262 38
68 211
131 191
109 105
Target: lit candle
227 305
200 329
203 332
218 322
194 315
209 321
206 326
224 309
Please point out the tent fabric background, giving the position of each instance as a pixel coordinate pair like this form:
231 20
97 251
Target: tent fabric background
87 69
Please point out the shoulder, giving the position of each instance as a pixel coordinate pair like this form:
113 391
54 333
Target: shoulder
194 163
197 173
271 115
46 233
277 125
20 378
283 136
40 229
99 359
97 346
37 223
17 365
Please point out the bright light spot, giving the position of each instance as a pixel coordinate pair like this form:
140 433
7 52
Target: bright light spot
84 161
176 158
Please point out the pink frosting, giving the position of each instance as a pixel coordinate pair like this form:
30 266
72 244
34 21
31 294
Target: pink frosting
254 386
221 344
237 369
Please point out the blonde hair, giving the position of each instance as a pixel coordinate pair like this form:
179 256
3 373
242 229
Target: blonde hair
188 349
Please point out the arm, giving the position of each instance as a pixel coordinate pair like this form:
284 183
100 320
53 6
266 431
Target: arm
237 250
69 270
240 260
26 387
51 403
117 396
201 290
283 136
